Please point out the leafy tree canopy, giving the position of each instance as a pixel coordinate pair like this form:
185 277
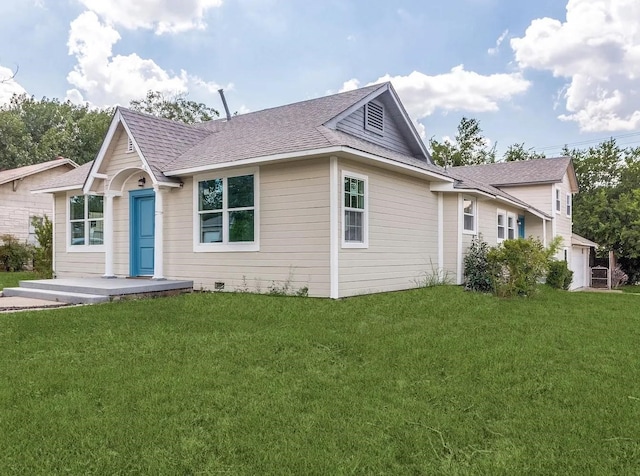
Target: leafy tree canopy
518 152
176 108
470 147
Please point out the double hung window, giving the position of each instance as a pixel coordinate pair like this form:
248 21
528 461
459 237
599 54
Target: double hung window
354 211
469 214
226 213
86 220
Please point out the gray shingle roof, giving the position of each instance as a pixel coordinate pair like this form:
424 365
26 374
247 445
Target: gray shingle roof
516 173
21 172
75 178
161 140
286 129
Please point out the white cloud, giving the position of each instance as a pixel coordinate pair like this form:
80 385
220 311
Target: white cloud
8 85
349 85
597 49
457 90
101 78
496 49
163 16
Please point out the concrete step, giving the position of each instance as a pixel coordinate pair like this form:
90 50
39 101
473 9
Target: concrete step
57 296
106 287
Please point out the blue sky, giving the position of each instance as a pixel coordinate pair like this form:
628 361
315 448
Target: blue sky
544 73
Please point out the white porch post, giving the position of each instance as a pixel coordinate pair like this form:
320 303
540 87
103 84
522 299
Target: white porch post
158 254
108 235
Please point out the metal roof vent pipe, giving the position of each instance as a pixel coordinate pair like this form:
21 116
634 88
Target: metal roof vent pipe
224 103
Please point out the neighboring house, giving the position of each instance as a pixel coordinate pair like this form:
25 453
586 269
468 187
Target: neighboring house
336 194
548 185
18 205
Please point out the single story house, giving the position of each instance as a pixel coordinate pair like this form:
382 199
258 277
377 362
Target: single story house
18 205
337 195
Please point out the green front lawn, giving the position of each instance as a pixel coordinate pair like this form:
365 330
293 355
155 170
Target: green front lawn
431 381
11 280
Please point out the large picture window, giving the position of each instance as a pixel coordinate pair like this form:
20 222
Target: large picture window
355 211
86 220
226 211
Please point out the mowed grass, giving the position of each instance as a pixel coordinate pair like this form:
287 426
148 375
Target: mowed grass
11 280
430 381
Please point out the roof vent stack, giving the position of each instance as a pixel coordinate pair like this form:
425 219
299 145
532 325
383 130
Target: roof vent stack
224 103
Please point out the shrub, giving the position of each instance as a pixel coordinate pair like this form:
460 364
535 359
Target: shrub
559 275
517 266
477 275
618 277
14 256
43 252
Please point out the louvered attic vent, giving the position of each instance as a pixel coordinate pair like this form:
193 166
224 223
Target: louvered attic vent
374 117
129 144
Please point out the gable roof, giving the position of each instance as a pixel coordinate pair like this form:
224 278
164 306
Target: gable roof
275 132
525 172
72 180
22 172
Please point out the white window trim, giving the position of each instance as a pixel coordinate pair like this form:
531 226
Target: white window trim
558 198
226 246
513 217
569 205
475 215
502 213
86 248
365 217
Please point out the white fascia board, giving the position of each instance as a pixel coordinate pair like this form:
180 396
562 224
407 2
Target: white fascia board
66 188
333 150
117 119
528 209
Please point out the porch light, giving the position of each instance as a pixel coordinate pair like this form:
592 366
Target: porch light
142 181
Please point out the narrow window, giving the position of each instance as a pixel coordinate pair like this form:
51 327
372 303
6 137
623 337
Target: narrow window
469 211
86 220
568 204
511 227
355 211
501 225
558 207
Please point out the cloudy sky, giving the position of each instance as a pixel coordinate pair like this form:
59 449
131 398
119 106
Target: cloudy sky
545 72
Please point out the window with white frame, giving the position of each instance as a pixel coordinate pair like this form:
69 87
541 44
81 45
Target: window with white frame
568 204
226 210
469 210
354 223
558 206
502 225
86 220
511 226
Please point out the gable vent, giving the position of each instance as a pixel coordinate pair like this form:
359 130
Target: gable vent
374 117
129 144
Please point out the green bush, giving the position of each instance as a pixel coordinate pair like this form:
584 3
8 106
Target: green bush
14 256
477 275
517 266
43 252
559 275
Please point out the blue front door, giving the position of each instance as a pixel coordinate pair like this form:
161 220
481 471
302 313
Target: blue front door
142 226
521 226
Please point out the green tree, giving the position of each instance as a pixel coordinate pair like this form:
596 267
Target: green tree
34 131
176 108
517 152
470 147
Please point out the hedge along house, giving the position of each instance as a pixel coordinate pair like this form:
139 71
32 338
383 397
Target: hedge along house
337 195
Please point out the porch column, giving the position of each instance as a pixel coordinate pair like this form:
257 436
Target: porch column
108 235
158 253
